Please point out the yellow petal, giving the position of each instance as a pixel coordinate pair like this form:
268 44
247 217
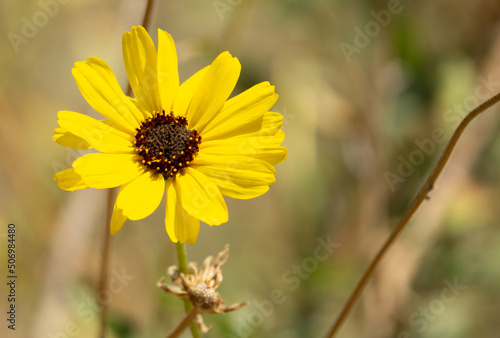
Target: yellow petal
201 197
181 227
266 124
117 220
99 135
69 180
108 170
186 92
168 76
139 56
139 198
244 111
99 87
237 176
264 147
67 139
213 91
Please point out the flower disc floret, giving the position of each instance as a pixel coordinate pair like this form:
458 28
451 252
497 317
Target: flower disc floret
165 144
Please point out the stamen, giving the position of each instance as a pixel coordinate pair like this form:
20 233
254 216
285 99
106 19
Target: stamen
165 143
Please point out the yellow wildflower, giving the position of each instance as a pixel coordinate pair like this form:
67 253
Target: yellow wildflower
188 139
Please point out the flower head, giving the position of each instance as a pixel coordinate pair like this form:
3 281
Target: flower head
188 139
199 286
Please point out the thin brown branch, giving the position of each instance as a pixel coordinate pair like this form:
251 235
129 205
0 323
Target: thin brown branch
103 278
184 324
147 14
422 195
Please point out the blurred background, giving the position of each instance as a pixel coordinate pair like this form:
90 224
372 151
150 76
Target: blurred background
370 92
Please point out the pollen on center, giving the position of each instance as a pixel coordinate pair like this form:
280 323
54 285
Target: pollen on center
165 144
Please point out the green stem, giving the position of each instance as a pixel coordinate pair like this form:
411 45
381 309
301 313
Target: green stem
181 258
182 261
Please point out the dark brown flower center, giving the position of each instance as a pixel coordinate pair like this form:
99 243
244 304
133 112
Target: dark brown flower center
165 144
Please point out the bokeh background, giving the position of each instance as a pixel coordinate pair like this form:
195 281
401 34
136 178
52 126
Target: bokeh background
370 92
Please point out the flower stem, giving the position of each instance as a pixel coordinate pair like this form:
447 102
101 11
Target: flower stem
182 261
103 278
421 196
181 257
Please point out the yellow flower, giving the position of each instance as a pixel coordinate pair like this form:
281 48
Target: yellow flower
189 139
